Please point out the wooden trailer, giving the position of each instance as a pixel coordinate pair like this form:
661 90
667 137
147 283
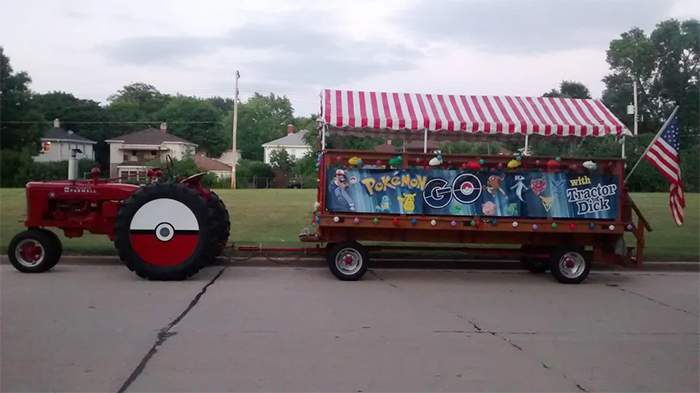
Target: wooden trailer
564 213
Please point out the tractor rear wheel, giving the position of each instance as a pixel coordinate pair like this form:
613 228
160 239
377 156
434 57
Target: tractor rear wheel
34 251
223 221
165 232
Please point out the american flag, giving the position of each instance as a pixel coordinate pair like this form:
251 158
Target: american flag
664 155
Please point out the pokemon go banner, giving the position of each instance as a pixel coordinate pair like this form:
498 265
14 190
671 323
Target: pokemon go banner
528 194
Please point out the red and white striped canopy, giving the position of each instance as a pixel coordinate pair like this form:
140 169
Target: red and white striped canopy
566 117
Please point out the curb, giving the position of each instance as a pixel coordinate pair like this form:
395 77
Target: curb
382 263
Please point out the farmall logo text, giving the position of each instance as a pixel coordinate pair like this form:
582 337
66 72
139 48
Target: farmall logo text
76 190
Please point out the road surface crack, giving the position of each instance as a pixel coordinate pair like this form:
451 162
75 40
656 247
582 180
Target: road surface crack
479 329
656 301
165 333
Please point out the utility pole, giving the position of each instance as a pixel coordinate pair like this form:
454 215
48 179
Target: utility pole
235 126
636 108
632 109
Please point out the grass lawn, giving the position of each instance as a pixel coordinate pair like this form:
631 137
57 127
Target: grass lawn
275 218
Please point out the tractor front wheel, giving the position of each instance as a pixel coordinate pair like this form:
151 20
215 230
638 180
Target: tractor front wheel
166 232
34 251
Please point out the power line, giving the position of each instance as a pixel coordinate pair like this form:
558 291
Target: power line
113 122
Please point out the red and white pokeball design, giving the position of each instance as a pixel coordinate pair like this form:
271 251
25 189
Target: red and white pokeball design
467 188
164 232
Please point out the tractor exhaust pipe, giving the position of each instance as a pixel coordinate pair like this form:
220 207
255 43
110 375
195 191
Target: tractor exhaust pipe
73 164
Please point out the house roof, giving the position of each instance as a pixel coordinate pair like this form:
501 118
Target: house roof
56 133
294 139
418 145
210 164
149 136
386 148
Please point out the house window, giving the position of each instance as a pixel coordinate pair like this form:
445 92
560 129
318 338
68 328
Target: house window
126 157
47 146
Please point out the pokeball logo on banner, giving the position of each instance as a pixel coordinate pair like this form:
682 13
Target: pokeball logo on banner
467 188
164 232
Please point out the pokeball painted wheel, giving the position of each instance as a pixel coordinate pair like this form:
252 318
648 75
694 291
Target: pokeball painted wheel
223 221
165 232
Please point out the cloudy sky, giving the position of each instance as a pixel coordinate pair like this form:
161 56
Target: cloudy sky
297 48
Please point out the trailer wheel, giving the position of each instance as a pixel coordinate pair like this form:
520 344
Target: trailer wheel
348 260
570 265
34 251
223 221
165 232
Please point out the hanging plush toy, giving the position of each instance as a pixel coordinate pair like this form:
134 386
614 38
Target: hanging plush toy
396 161
553 164
590 165
355 161
512 164
474 165
435 161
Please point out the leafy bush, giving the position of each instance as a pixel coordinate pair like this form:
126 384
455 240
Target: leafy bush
19 168
248 169
306 166
280 159
186 167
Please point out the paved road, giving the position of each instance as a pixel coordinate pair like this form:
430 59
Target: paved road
100 328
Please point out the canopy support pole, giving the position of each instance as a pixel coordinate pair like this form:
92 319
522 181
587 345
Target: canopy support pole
323 137
623 147
425 141
527 145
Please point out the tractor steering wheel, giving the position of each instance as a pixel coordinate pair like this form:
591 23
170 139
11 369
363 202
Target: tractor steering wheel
169 166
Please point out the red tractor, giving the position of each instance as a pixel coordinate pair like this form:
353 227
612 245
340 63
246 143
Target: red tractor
166 230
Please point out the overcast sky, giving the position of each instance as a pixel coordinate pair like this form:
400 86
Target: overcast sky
297 48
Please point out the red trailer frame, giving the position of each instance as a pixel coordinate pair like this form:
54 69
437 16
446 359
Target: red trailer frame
341 115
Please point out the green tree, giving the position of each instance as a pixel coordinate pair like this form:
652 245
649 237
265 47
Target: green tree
665 65
196 120
223 104
261 119
280 159
134 106
86 118
306 165
20 125
570 89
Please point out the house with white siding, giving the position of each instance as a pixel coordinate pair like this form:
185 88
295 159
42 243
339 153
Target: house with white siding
293 143
57 144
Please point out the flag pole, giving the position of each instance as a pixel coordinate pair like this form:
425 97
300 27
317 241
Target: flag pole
651 143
